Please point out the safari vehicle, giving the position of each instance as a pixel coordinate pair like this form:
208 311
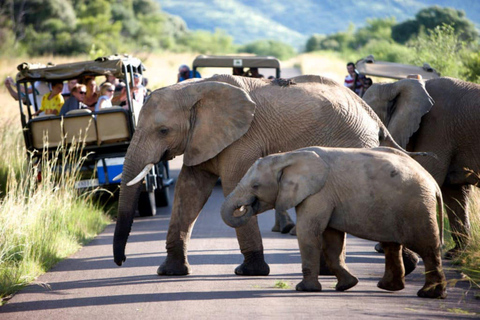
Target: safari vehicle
370 67
261 62
106 134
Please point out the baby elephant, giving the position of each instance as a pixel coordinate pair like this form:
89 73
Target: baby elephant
378 194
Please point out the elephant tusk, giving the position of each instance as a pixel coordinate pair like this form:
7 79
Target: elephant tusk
117 177
141 175
239 212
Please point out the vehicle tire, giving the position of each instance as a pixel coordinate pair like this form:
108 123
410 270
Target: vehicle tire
146 204
162 197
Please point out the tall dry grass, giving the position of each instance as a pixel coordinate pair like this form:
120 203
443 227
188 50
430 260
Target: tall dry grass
40 222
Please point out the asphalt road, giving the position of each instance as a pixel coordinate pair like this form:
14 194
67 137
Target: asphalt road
88 285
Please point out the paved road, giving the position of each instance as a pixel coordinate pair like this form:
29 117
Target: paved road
89 285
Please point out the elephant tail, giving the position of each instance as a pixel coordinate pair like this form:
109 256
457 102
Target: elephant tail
387 140
441 213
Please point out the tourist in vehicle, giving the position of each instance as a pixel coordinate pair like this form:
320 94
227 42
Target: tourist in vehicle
106 94
92 95
75 101
68 86
53 101
238 71
41 88
253 73
140 91
352 80
185 73
367 82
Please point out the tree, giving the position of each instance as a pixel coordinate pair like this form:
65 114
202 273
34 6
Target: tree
432 17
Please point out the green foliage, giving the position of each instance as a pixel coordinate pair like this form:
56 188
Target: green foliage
206 42
471 61
432 17
111 26
385 50
269 48
441 48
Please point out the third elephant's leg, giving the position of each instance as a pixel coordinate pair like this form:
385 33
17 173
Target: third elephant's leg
456 203
283 222
192 189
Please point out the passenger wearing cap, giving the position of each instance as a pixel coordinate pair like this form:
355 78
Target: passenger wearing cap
185 73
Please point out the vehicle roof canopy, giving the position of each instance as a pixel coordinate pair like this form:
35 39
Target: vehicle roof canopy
111 65
368 66
236 61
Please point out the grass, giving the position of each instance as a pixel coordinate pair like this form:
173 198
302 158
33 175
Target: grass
468 262
40 223
280 284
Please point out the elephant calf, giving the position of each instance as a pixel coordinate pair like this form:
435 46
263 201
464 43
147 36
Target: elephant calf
378 194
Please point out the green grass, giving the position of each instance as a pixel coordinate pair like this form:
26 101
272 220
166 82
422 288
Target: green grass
280 284
40 223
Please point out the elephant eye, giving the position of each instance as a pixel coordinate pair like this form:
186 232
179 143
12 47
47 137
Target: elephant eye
255 186
164 131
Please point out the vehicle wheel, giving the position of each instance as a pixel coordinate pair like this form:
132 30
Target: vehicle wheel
146 204
162 197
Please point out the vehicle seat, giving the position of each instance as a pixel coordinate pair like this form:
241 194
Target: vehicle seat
80 125
112 125
49 126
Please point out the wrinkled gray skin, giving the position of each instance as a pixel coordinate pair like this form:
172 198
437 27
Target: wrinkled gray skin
376 194
441 116
222 125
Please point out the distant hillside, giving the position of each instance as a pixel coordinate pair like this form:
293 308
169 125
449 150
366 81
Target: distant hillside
295 21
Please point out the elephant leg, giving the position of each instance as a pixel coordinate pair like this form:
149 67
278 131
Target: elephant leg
410 259
310 247
192 189
283 222
435 281
334 252
456 203
250 241
394 276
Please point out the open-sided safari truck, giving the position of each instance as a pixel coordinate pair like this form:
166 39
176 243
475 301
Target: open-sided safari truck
106 134
370 67
260 62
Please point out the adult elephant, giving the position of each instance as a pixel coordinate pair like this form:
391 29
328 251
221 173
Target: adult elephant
222 125
441 116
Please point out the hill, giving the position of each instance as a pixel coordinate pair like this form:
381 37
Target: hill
294 22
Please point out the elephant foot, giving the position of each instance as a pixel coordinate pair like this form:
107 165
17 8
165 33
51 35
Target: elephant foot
293 232
253 265
433 291
173 268
309 286
452 253
395 285
378 247
343 285
283 222
410 260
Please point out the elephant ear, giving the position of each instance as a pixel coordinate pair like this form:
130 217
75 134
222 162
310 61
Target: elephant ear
402 106
220 114
303 173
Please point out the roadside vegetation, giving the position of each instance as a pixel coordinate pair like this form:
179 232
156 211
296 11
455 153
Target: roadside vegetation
40 222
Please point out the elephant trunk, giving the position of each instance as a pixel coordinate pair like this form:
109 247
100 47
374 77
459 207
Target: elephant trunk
236 212
136 159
